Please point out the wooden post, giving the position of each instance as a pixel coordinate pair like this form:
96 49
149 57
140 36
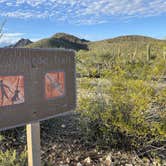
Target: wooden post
33 143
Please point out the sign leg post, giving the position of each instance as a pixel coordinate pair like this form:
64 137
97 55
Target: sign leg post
33 144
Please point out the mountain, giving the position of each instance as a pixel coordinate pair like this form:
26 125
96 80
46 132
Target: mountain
61 40
127 45
134 38
123 44
21 43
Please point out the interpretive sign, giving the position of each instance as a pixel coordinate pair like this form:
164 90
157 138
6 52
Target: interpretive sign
35 84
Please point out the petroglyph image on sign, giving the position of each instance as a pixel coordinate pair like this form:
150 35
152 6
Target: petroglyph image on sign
54 84
11 90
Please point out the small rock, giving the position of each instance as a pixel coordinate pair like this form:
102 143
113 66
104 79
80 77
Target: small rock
79 164
155 163
61 162
67 160
75 141
108 160
54 147
108 163
128 164
77 158
119 153
87 160
63 126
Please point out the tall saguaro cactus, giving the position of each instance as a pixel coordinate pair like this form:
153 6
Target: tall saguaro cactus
164 53
148 52
135 53
119 51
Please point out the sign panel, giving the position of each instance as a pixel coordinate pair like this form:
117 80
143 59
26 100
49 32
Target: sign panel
35 84
54 84
11 90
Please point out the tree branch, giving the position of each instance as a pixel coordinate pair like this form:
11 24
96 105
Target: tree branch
1 28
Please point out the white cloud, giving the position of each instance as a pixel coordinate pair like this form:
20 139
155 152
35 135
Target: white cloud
10 38
25 14
82 11
30 2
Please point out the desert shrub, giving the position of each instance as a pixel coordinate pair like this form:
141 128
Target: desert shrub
12 158
160 100
116 108
120 117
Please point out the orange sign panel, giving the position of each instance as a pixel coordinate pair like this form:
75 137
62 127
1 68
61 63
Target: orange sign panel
11 90
54 84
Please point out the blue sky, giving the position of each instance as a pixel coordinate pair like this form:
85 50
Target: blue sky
89 19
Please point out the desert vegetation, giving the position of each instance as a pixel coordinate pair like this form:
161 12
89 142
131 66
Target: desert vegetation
121 98
122 95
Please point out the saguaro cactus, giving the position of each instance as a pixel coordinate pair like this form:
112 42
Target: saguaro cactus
148 52
119 51
164 53
135 52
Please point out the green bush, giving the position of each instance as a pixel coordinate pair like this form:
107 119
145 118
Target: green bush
116 109
12 158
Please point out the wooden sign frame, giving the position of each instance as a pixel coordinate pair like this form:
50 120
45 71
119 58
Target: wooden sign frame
31 70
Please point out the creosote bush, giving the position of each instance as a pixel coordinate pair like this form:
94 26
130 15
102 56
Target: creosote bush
12 158
125 107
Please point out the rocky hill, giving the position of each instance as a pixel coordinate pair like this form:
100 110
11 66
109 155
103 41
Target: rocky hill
128 45
61 40
134 38
21 43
